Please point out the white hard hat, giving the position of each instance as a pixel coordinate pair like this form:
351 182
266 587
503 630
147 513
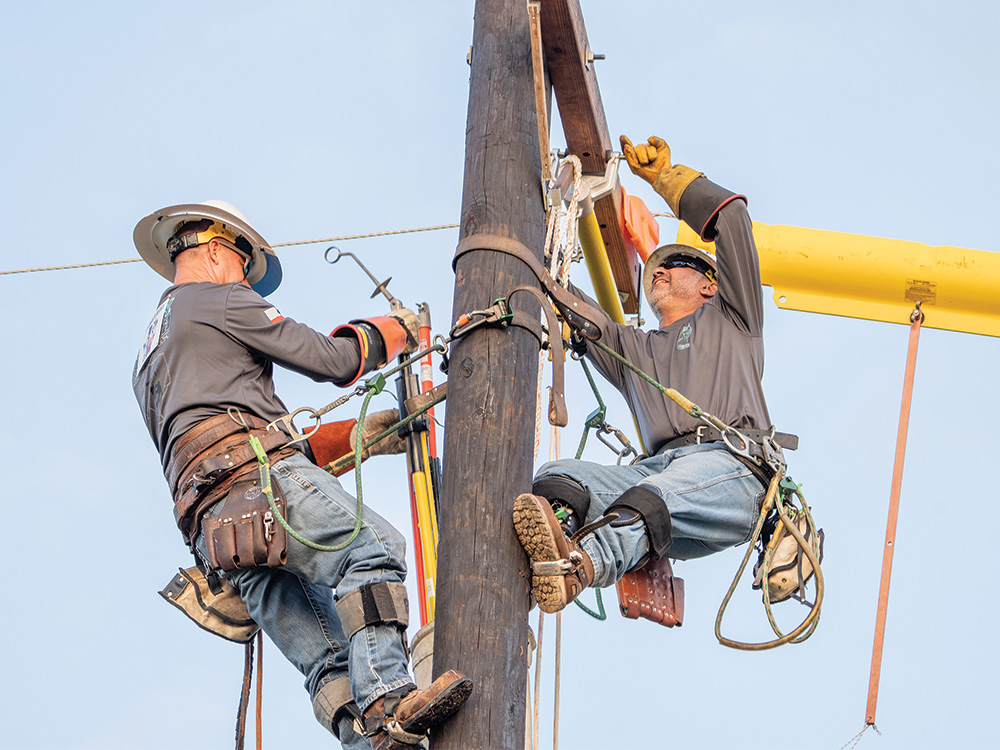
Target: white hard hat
153 233
702 261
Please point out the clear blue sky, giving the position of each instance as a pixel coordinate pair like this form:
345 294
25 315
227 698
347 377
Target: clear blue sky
322 119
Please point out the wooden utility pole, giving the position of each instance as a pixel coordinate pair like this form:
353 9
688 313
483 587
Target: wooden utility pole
481 624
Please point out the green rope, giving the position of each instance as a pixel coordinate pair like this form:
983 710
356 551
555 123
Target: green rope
601 410
346 461
373 386
265 482
690 407
599 414
781 490
789 488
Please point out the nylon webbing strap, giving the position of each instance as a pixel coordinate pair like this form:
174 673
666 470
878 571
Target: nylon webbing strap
372 604
577 313
916 319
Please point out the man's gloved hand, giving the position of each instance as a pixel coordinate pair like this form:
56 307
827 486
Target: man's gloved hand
377 423
411 324
651 162
647 159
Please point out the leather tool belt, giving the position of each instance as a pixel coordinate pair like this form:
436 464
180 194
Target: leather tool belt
653 593
212 456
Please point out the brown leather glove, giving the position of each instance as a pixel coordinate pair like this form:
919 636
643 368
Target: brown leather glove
336 439
377 423
651 162
411 324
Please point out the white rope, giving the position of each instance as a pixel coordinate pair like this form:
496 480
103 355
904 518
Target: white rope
538 681
560 247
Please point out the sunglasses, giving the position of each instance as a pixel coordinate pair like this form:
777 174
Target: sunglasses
698 265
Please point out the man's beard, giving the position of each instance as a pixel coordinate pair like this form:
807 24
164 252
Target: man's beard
657 294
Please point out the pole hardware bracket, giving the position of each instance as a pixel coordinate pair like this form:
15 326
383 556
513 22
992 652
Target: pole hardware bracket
596 186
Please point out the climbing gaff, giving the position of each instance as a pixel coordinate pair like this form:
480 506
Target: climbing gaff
916 320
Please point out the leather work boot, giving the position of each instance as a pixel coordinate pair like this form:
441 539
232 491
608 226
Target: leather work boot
418 711
560 569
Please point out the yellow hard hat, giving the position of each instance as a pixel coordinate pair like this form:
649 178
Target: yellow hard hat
153 233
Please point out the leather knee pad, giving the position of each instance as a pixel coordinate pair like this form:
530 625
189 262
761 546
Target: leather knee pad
646 504
565 491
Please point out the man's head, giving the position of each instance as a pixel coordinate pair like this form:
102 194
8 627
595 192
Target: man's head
213 232
677 280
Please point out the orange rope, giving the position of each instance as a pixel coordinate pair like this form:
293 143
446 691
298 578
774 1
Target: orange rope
241 712
916 318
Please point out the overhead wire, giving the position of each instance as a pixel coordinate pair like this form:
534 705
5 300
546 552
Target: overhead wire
344 238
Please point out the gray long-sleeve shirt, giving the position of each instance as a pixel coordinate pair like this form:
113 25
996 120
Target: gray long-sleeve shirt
212 346
714 357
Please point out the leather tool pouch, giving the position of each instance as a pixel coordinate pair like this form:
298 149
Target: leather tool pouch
222 613
246 533
653 593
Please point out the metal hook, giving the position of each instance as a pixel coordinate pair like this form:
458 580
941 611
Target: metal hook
380 286
442 342
327 254
237 416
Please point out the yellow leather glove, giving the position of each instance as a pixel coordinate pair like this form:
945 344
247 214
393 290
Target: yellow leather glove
651 162
647 159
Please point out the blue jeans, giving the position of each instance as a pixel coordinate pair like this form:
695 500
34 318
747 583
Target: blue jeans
713 501
294 604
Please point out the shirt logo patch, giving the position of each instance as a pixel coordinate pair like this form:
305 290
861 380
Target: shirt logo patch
155 333
684 337
273 315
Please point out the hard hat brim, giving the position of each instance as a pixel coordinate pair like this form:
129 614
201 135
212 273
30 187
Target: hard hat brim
152 232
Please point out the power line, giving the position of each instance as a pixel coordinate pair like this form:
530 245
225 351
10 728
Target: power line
277 244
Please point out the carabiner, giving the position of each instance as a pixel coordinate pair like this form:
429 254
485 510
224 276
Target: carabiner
626 449
744 450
